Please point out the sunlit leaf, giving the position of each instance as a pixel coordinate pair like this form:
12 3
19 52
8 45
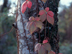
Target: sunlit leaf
44 1
47 46
41 50
32 27
47 9
41 12
37 47
45 41
29 4
50 19
23 7
51 52
39 24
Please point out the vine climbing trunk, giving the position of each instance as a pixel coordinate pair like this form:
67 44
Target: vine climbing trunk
26 42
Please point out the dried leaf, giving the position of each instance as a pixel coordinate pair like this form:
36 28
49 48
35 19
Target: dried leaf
41 12
47 46
41 50
27 25
47 9
23 7
51 52
31 18
32 27
44 1
43 17
50 19
37 47
39 24
29 4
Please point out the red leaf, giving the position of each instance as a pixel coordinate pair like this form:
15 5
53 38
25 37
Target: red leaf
43 17
23 7
50 19
51 52
31 18
26 0
37 18
29 4
47 9
32 27
50 13
45 41
41 12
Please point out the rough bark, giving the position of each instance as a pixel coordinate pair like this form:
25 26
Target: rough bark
27 42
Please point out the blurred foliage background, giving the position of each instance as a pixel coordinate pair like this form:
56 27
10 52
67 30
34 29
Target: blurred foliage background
65 29
8 42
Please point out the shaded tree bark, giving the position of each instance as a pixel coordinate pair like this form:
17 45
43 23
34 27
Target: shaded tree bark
27 42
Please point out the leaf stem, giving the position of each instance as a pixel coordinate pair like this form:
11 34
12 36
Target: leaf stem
45 28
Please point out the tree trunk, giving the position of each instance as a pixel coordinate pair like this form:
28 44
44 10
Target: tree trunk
27 42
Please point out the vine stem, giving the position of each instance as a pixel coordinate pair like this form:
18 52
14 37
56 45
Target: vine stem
39 37
45 28
48 32
16 30
37 7
37 13
6 32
